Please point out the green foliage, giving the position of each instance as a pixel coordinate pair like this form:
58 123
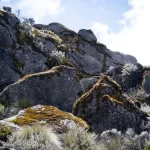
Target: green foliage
17 63
33 138
22 37
1 108
147 146
4 132
80 139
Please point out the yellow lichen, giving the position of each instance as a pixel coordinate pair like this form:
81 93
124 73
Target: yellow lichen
50 114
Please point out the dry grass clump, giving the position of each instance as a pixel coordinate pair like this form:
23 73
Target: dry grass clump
33 138
80 139
114 140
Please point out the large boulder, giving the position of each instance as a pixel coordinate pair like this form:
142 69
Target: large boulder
104 108
58 87
87 35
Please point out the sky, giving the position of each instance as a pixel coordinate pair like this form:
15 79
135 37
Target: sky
122 25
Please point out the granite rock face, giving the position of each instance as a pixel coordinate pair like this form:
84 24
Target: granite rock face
87 35
129 78
58 87
53 65
104 108
146 81
31 52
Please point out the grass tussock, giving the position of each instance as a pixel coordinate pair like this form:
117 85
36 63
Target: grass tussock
33 138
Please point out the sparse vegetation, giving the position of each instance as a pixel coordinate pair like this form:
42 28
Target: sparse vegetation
33 138
4 132
1 108
137 93
80 139
128 68
145 108
114 140
22 37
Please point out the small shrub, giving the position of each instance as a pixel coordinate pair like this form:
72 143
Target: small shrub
128 68
22 37
137 93
114 140
145 108
80 139
60 56
33 138
4 132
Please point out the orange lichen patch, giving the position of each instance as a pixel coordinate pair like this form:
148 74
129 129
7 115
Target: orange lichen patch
109 90
50 114
102 83
111 99
45 73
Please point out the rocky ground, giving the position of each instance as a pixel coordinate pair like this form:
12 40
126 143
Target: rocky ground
52 75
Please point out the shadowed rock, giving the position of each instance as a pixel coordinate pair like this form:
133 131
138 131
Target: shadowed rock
58 87
104 108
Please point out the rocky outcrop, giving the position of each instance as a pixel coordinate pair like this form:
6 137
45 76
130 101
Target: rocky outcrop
56 28
146 81
127 78
104 108
26 50
41 114
87 35
59 87
88 82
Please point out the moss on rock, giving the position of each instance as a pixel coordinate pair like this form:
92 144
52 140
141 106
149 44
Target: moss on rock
49 114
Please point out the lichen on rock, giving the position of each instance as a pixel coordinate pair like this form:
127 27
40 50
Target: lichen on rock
104 107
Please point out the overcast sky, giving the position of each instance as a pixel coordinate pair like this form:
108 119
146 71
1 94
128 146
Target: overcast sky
122 25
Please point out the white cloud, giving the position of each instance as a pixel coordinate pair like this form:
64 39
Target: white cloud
40 10
94 1
133 38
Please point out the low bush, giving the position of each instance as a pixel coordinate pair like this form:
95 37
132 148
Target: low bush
4 132
114 140
33 138
80 139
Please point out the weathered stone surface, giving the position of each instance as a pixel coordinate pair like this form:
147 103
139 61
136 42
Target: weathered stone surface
88 82
46 115
5 38
85 63
104 107
146 81
27 61
11 19
45 46
131 80
87 35
7 74
56 28
58 87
